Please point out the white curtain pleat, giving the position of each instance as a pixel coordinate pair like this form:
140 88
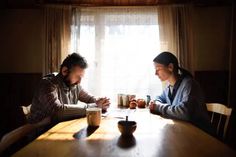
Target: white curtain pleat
186 52
175 28
119 44
57 34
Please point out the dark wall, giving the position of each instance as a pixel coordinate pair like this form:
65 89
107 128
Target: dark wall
21 38
232 91
15 90
214 85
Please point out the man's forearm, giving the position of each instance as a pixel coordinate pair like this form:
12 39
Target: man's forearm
85 97
71 111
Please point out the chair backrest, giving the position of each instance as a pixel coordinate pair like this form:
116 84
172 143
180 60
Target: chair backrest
222 110
14 136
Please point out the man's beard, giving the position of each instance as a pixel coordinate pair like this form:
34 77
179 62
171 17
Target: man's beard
68 82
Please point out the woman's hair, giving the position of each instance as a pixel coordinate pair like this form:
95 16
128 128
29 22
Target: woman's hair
166 58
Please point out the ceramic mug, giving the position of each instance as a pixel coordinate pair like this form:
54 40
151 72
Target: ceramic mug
93 116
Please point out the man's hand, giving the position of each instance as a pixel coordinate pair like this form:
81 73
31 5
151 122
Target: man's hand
103 103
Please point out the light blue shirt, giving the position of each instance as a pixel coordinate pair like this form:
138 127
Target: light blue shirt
188 104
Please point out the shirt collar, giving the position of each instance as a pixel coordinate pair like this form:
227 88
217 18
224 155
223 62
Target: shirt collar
177 83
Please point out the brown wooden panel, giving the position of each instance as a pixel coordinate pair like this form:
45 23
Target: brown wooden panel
15 90
214 85
232 96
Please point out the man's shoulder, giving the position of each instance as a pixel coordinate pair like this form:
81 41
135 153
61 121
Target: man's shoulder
48 80
49 77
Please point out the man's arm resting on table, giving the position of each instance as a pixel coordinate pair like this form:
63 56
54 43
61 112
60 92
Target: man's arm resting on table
74 110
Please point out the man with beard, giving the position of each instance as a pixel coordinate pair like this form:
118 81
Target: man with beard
59 97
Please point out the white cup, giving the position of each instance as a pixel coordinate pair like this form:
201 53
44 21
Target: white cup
93 116
119 99
125 100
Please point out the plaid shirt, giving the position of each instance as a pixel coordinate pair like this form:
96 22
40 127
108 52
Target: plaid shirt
52 97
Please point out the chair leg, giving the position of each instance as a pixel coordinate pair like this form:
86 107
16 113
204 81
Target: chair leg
225 127
218 126
212 117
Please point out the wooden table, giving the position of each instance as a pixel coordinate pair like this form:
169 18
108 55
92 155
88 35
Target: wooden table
154 137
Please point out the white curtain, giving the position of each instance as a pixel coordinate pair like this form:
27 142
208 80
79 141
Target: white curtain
119 45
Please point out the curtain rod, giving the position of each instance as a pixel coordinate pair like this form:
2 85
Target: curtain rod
133 6
114 6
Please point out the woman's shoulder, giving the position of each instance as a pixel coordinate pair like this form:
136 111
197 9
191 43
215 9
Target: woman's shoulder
187 79
190 82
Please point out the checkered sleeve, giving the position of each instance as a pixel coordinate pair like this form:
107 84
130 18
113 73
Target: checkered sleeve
45 102
85 97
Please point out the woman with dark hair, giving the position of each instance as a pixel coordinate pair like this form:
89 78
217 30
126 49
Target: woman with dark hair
182 98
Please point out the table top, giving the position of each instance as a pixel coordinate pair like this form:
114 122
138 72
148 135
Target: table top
154 136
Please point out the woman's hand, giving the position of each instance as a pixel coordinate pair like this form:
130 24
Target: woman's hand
153 107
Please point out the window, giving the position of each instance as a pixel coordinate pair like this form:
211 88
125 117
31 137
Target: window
119 45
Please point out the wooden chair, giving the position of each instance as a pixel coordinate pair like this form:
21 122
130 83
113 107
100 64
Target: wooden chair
20 132
223 111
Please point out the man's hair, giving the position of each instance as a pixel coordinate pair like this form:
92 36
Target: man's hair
72 60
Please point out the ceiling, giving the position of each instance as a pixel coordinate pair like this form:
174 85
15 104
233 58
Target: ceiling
38 3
